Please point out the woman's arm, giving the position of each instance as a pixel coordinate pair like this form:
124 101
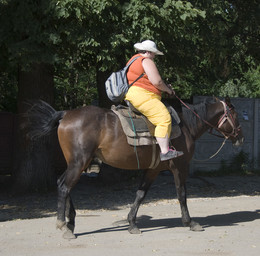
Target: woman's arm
154 76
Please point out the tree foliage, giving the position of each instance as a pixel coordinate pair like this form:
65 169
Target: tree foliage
206 43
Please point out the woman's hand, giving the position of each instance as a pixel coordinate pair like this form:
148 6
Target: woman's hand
170 91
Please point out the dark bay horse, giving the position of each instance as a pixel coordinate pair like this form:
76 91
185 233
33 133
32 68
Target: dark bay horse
91 131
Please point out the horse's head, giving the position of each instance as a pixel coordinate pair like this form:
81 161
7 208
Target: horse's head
228 124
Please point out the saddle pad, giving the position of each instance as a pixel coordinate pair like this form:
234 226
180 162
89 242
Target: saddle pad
139 131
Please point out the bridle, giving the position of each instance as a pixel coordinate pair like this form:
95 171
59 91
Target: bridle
227 116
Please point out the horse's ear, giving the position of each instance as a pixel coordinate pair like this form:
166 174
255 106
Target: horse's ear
228 101
215 98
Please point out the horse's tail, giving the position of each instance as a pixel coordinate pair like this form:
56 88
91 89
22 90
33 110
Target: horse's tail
41 119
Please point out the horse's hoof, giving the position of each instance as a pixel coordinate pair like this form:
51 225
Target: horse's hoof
134 230
194 226
60 224
68 235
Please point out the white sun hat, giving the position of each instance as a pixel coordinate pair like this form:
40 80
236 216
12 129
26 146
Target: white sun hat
149 46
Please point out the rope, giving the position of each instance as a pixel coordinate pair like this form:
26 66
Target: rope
225 137
135 149
204 160
206 122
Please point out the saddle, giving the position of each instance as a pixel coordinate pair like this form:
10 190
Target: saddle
138 129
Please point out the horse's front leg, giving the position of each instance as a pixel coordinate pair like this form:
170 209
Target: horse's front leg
148 178
180 183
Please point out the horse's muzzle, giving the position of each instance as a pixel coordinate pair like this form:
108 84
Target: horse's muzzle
239 142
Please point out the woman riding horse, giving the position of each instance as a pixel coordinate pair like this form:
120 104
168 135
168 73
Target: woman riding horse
145 95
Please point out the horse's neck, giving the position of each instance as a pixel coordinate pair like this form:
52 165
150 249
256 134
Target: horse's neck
211 116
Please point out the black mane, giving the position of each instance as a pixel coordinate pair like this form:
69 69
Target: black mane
191 120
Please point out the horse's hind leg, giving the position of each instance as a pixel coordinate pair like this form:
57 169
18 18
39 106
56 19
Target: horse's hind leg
180 183
147 180
65 205
70 214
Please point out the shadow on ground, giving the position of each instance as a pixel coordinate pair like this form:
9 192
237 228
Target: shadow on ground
92 194
147 224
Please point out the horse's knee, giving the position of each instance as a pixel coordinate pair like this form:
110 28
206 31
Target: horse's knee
140 194
63 191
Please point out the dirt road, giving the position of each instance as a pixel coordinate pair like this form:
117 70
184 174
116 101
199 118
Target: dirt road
229 213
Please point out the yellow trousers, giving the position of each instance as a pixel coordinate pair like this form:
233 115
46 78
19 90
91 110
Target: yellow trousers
150 105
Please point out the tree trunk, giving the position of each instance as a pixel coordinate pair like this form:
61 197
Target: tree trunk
101 77
33 166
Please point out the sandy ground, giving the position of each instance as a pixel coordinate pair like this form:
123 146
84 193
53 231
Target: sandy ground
228 208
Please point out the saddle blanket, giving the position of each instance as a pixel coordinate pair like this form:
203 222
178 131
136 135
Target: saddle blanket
137 128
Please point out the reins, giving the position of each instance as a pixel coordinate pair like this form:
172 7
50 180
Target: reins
221 121
204 160
206 122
